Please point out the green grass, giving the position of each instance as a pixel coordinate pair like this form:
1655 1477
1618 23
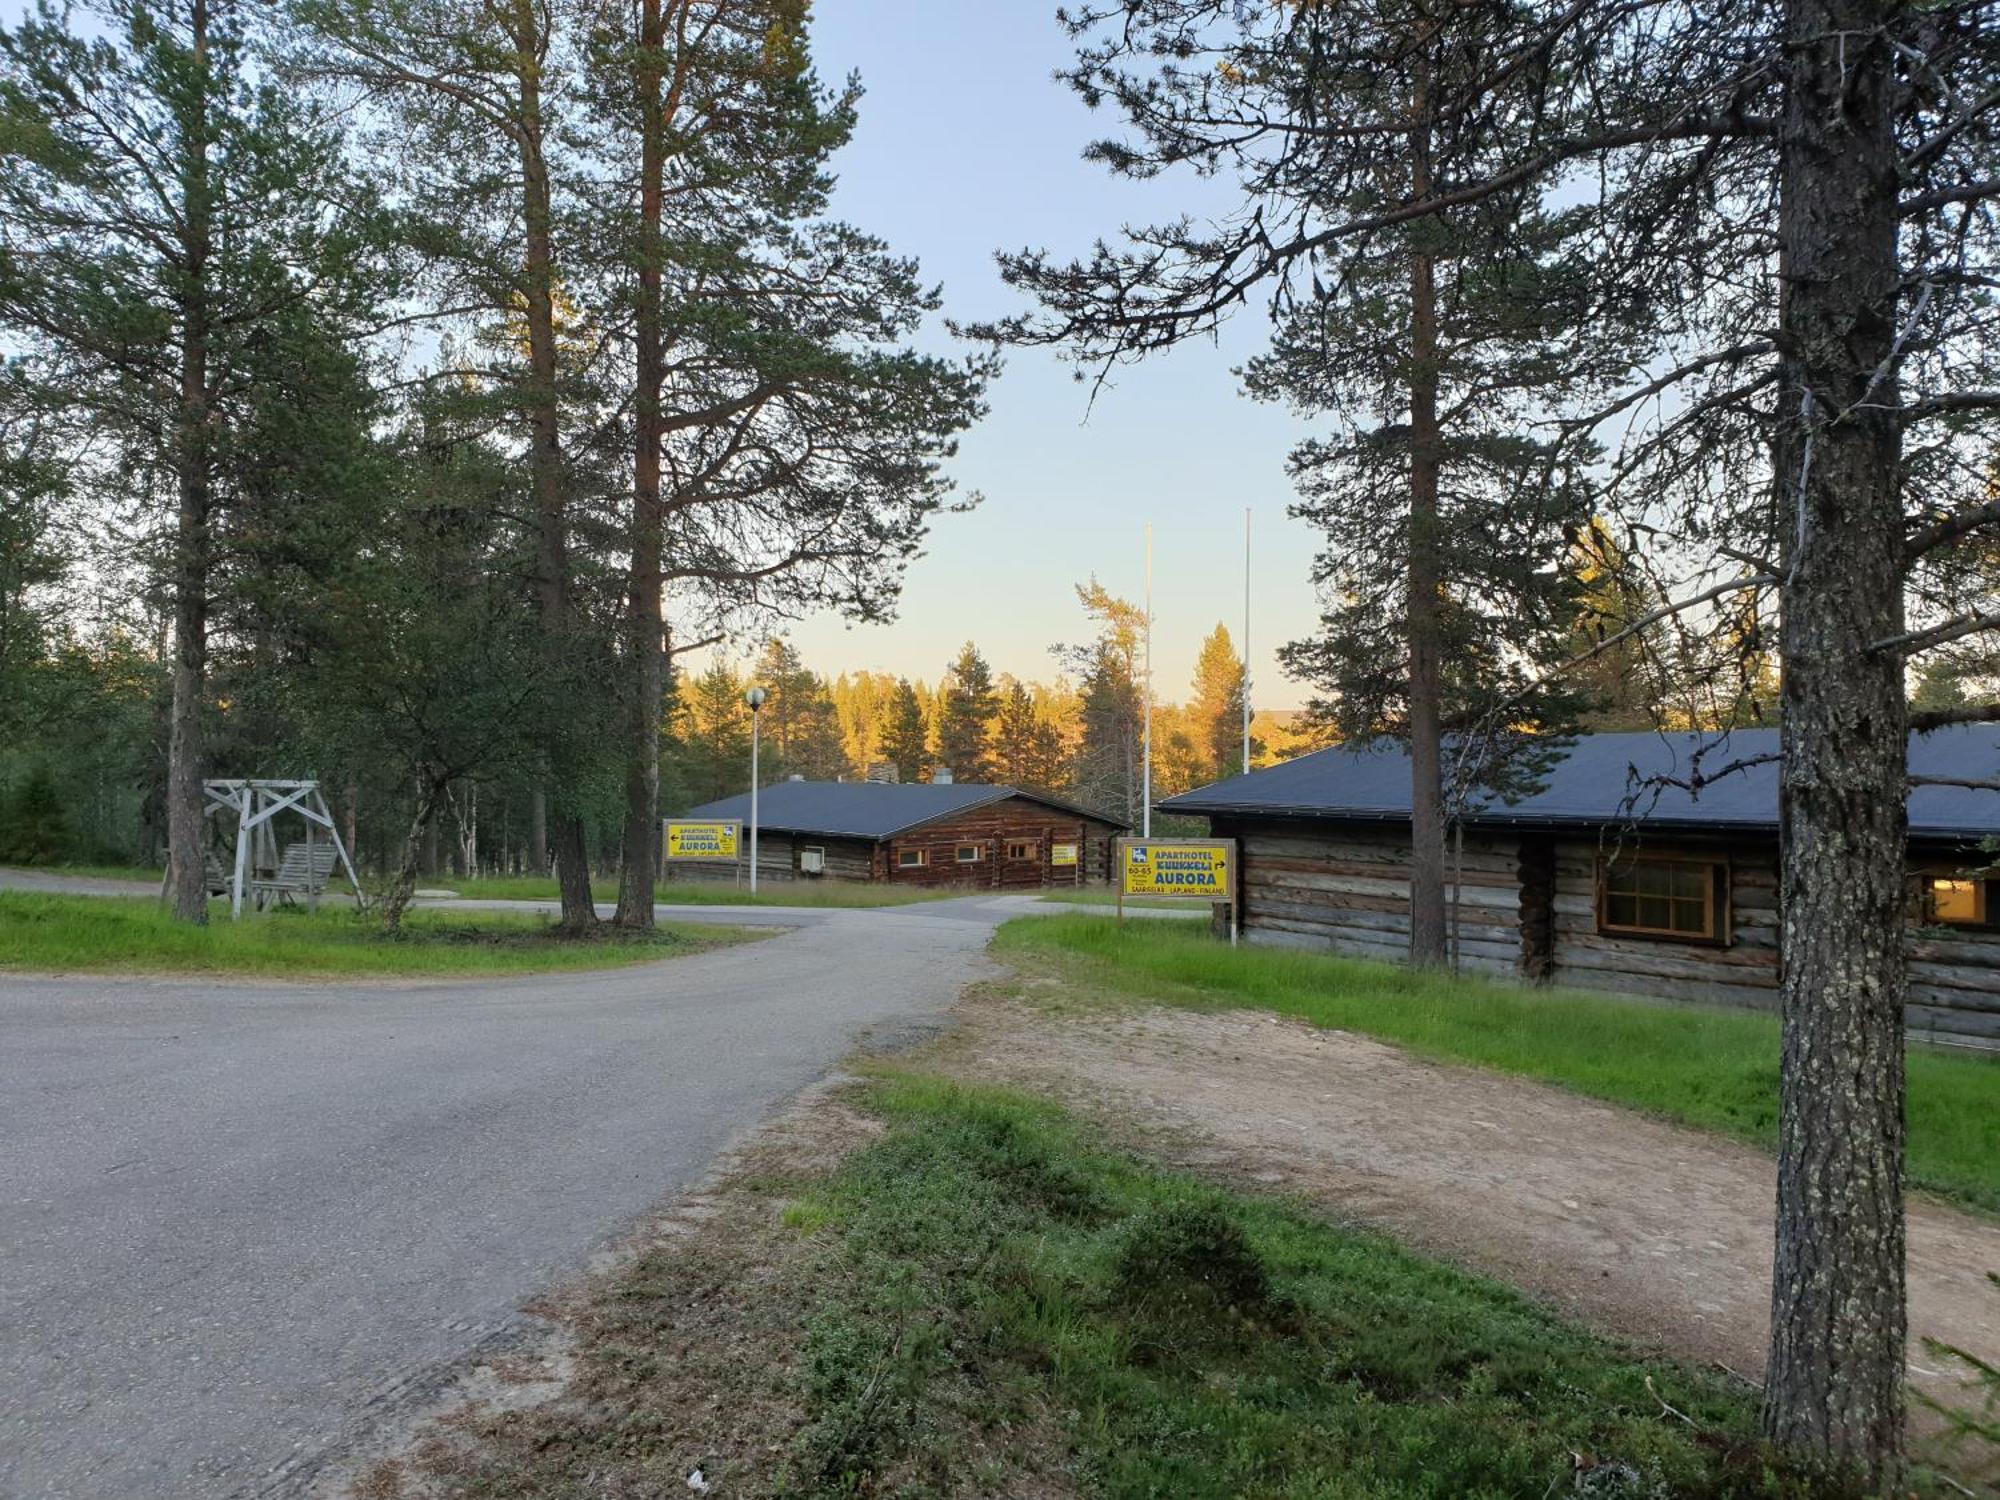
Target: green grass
989 1273
1704 1066
1095 896
115 935
843 893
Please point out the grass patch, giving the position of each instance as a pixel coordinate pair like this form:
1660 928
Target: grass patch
116 935
1704 1066
987 1269
821 893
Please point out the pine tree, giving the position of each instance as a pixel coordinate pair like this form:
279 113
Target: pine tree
1027 748
905 739
1217 708
157 245
967 703
1111 705
709 741
1423 335
33 830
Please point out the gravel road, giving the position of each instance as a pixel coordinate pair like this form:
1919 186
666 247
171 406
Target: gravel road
241 1223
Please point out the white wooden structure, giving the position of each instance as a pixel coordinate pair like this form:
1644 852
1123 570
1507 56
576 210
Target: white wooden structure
268 875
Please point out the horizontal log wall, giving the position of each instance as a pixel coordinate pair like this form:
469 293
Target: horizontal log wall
1349 890
778 859
1527 907
1742 972
1955 986
992 828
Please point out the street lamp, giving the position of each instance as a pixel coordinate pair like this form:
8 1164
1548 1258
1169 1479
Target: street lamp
755 698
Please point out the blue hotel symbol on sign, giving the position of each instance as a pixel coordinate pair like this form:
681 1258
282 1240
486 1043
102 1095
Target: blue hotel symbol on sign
1138 856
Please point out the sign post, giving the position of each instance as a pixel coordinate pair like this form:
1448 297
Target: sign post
1186 869
689 842
716 839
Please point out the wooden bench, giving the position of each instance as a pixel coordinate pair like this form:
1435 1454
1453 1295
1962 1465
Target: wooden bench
304 870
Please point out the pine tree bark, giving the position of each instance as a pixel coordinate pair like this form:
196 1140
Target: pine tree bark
187 833
545 438
646 645
1833 1391
1427 852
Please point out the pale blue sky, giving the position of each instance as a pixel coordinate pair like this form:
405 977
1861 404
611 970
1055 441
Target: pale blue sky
966 144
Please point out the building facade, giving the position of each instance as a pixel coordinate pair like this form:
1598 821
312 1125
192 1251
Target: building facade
1627 871
952 834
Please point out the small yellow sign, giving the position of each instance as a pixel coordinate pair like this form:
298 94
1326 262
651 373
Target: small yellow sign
1159 867
1062 854
703 840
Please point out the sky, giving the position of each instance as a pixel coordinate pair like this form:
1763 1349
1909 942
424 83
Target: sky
966 145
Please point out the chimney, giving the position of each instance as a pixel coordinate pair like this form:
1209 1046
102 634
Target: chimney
940 775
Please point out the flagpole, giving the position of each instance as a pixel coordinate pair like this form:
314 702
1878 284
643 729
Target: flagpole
1246 640
1146 805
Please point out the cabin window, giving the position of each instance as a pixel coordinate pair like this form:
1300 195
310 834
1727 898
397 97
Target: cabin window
1651 896
970 854
912 859
1017 849
812 860
1953 899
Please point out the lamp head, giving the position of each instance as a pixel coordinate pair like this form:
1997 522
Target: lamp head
755 698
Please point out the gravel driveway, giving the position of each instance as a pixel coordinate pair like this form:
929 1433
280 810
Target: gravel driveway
241 1223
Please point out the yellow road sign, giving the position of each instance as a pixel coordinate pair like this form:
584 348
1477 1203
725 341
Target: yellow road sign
1176 867
703 840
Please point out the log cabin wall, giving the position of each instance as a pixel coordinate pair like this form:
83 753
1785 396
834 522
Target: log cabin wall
1954 993
1528 908
1347 886
994 830
1741 969
779 856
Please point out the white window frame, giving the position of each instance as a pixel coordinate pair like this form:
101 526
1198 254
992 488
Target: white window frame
978 854
912 859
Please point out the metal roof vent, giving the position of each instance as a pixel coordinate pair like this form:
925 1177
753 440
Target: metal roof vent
941 776
795 776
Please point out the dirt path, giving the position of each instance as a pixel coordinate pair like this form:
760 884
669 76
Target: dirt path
1641 1228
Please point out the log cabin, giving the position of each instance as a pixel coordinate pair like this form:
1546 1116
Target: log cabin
1626 869
962 834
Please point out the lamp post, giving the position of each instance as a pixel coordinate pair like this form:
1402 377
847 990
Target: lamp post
755 698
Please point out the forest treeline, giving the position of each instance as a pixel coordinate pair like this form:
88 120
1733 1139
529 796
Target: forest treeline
395 389
1079 737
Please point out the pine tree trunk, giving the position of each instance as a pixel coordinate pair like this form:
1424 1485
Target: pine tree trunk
640 854
187 832
545 441
1427 832
572 867
1833 1391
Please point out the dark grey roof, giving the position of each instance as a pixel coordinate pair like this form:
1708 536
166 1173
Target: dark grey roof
1611 778
868 809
